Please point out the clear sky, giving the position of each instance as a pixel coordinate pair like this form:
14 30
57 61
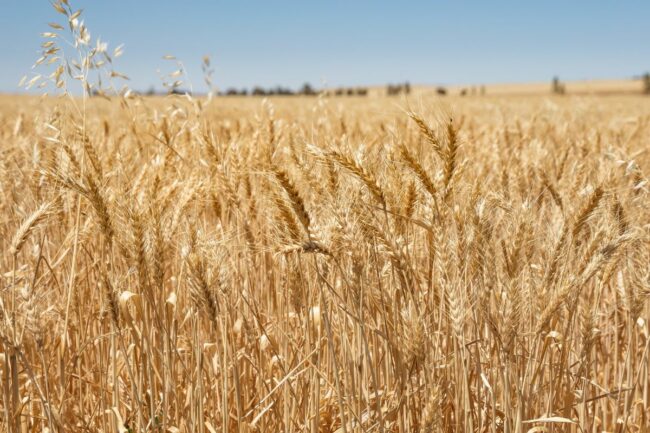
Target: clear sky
354 42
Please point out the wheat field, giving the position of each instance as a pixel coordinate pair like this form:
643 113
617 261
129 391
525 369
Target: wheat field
319 264
325 265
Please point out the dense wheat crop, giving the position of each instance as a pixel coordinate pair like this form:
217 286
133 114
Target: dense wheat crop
325 265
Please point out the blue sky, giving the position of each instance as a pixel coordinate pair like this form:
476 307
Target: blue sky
287 43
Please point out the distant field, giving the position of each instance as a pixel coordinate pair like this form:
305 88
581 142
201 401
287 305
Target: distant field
321 264
597 87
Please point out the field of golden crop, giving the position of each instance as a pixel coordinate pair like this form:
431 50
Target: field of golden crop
319 264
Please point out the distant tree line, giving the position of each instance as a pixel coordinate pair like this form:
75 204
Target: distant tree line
398 89
349 91
305 90
472 91
405 89
557 87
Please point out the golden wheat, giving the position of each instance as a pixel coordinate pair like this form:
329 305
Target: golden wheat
186 265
